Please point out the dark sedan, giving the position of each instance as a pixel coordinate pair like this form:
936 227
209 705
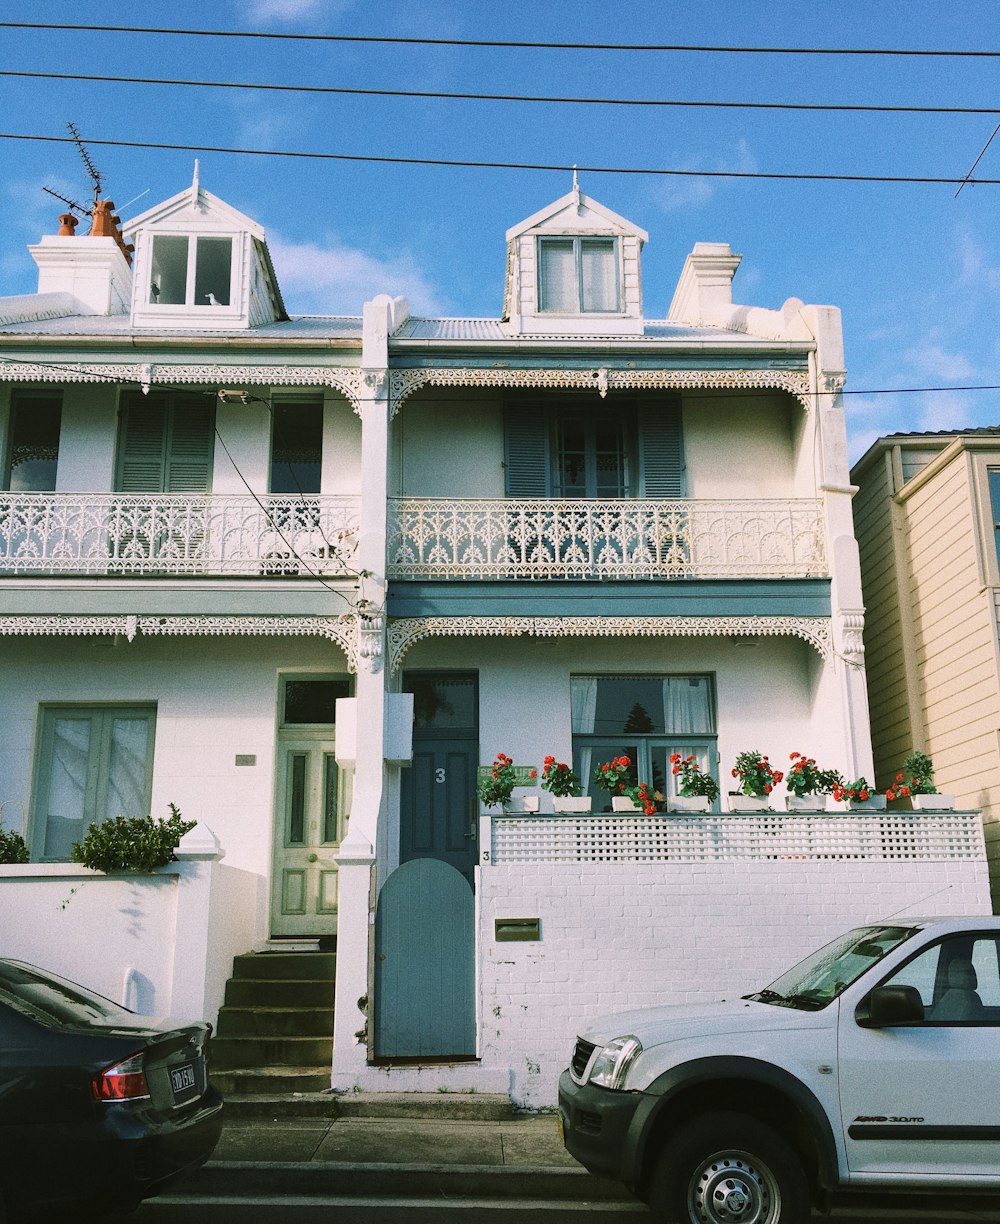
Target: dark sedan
99 1107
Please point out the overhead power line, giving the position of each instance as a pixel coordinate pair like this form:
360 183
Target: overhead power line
496 42
490 97
562 168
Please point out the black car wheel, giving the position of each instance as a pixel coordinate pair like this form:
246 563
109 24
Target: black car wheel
727 1168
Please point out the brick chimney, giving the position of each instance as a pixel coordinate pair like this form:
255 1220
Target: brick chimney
96 269
705 290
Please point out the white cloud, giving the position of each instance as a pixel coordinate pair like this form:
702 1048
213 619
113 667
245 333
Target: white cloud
686 193
944 410
294 10
931 359
331 278
974 266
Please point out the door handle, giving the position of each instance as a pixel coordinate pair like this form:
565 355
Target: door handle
312 858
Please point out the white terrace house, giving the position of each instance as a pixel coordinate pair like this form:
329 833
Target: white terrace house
305 577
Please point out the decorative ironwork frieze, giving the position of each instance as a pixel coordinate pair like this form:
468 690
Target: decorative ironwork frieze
348 380
405 631
402 383
591 538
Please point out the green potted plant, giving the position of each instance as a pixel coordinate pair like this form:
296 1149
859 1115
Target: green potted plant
859 795
915 781
756 778
496 786
809 786
139 843
12 848
615 776
563 784
696 791
642 798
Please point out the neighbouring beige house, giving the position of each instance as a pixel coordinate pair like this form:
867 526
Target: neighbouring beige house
927 519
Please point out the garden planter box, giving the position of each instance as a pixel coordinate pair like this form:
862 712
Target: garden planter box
565 804
748 803
622 803
806 803
521 806
932 803
689 803
875 804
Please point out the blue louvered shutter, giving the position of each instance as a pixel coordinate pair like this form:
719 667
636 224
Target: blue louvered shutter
661 450
166 444
527 460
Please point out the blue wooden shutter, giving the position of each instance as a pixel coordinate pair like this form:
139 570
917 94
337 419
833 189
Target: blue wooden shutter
189 454
142 445
527 461
661 452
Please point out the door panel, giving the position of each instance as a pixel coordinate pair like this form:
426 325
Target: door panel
437 805
308 827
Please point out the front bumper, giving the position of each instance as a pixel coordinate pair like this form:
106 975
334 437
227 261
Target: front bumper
595 1122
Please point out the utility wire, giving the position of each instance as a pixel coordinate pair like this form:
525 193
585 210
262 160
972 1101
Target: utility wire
489 97
950 181
490 42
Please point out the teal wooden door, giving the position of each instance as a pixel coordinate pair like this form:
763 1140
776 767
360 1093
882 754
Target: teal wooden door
425 1004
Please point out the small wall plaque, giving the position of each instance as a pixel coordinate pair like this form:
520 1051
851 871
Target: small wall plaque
246 758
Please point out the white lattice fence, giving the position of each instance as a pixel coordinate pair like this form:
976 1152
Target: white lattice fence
627 538
713 838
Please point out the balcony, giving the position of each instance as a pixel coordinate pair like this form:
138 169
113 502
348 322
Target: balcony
545 538
139 534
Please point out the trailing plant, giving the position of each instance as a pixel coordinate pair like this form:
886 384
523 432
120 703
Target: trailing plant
915 778
12 848
858 790
137 843
613 775
641 797
691 782
559 779
754 773
497 787
806 778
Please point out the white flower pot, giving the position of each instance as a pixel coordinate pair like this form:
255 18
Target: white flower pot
875 804
689 803
571 803
932 803
622 803
522 805
748 803
806 803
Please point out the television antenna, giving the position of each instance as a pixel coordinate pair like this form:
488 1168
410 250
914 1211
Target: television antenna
95 174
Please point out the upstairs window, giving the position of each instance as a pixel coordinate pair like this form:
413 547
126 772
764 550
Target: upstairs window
296 448
191 271
578 275
34 442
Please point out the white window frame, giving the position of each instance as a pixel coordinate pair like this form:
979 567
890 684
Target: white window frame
579 242
191 272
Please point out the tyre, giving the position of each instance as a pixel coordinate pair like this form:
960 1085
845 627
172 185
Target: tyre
728 1168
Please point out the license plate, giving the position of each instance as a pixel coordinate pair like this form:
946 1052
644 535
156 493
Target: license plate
182 1078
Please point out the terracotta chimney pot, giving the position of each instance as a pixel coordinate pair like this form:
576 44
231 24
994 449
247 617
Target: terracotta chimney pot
67 225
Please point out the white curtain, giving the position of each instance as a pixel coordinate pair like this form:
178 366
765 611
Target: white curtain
127 768
599 279
686 709
557 275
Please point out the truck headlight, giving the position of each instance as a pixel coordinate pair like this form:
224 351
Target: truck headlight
612 1063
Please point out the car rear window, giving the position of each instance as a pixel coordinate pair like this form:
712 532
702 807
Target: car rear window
53 998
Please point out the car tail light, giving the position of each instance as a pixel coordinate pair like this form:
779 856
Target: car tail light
123 1081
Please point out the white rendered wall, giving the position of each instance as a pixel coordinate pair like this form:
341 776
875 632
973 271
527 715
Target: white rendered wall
215 698
449 444
622 935
162 944
87 438
744 446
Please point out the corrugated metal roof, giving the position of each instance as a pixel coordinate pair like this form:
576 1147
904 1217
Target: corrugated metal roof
416 328
307 327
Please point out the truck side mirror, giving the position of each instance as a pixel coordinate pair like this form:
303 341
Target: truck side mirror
890 1005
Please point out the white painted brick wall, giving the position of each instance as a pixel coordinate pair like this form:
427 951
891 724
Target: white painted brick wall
636 934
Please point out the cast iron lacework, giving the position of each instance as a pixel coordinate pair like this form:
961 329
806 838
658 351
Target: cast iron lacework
590 538
404 632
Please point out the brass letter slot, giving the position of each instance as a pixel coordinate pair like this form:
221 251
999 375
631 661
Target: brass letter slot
517 930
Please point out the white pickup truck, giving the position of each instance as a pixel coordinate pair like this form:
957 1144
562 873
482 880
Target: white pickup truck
871 1066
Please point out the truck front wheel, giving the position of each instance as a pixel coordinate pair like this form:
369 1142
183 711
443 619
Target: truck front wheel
728 1168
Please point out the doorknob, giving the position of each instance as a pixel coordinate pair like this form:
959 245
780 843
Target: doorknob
312 858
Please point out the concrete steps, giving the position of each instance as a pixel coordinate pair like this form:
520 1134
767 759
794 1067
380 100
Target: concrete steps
275 1031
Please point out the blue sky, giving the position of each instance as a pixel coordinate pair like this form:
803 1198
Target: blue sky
915 271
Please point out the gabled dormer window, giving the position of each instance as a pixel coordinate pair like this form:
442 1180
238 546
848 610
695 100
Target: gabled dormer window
578 275
191 270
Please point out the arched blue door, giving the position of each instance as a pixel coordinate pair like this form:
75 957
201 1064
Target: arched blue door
425 951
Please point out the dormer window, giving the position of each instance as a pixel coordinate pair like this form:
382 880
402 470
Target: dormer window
578 275
191 270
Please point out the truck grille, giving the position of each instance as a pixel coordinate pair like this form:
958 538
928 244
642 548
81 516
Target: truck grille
581 1057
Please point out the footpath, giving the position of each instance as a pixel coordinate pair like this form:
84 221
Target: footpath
422 1157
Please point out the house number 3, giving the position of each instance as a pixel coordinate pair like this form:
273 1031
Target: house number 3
438 775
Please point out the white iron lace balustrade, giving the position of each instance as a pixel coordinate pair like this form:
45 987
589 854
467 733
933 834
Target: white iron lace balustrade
624 538
161 533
